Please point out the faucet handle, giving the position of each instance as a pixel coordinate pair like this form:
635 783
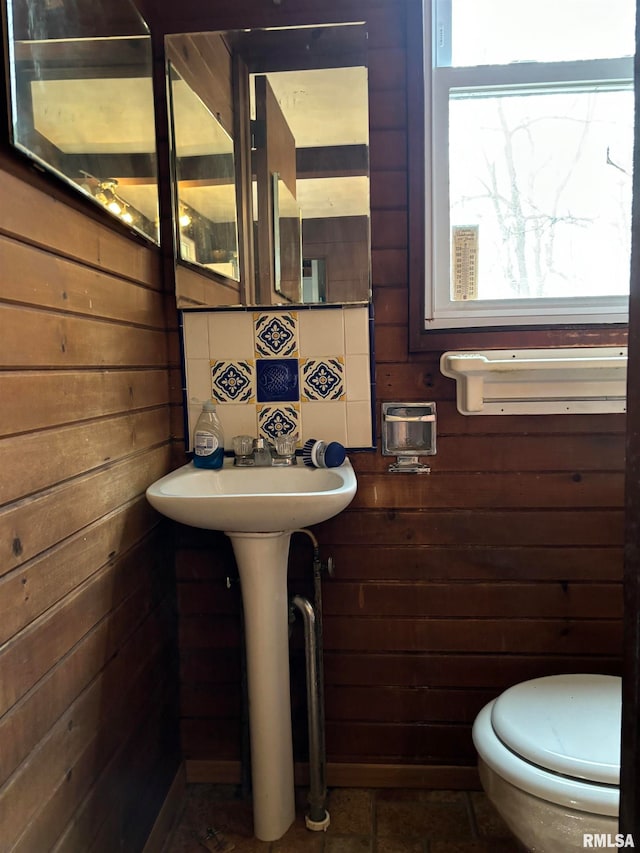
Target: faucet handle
242 445
286 445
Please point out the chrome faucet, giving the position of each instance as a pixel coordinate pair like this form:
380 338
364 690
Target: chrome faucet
261 453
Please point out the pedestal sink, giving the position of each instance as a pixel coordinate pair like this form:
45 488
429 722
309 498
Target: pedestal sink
258 508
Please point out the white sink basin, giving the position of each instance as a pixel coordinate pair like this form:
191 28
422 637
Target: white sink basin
253 500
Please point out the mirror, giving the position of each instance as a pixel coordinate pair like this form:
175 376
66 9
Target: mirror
287 241
81 101
302 165
205 179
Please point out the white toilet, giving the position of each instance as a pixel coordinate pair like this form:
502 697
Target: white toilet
549 759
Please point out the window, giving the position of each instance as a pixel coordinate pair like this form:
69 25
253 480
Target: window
531 134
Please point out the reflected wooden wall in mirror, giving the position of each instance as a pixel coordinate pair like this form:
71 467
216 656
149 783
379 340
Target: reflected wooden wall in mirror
318 77
81 101
206 217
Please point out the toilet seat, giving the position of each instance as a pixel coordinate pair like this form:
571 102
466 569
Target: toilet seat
558 738
569 724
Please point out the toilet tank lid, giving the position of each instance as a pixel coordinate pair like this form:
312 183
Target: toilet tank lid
568 724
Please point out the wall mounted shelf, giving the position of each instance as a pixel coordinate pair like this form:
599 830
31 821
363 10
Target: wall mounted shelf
539 381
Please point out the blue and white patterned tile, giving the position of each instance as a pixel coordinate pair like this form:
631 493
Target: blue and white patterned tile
277 420
233 381
322 378
277 380
276 334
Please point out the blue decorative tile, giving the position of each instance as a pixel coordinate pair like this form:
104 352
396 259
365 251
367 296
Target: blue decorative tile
232 381
274 421
322 379
276 334
277 379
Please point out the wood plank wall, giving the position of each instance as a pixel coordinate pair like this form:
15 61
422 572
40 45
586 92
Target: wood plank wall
88 734
504 564
342 242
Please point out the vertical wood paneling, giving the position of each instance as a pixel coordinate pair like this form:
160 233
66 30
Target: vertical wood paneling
87 707
630 752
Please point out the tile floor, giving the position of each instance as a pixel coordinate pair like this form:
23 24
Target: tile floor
362 821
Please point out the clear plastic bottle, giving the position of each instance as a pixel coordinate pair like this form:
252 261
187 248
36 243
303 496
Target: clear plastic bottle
208 439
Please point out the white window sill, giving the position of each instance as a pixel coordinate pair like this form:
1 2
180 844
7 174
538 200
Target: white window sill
539 381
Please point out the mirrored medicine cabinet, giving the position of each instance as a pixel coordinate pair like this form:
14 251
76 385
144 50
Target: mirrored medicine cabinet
81 101
206 215
291 105
270 143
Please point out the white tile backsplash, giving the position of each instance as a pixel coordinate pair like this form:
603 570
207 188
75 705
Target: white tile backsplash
338 335
359 424
196 335
358 373
325 421
198 379
230 335
321 332
237 419
356 331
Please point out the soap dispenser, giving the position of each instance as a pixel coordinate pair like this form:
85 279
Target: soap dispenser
208 438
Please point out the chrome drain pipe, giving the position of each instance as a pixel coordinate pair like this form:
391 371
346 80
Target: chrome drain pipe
318 817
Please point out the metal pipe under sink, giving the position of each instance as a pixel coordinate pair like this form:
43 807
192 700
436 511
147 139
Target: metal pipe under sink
318 817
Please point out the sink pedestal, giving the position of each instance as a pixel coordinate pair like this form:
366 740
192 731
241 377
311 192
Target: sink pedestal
249 504
262 565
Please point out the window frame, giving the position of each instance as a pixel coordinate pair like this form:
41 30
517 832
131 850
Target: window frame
439 312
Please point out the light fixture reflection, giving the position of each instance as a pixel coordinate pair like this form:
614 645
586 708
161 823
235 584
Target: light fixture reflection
104 191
